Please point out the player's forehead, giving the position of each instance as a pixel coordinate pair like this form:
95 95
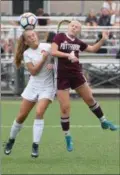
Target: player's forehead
77 23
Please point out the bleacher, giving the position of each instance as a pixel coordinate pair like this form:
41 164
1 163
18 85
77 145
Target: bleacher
93 63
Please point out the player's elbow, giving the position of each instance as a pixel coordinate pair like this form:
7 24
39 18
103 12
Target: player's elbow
33 72
90 49
93 49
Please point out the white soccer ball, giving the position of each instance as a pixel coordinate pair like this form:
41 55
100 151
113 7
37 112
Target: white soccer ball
28 21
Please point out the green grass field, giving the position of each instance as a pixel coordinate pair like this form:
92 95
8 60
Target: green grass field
95 151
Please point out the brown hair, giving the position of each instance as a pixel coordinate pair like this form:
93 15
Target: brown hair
21 47
49 37
61 23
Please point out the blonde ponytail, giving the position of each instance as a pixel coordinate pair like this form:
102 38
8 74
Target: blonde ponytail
21 47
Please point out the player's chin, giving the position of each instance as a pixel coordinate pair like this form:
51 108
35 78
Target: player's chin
73 33
35 44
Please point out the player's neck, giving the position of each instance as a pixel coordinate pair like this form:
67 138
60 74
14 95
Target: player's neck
34 47
70 36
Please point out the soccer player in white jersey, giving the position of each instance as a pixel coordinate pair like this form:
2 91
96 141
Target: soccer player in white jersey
40 88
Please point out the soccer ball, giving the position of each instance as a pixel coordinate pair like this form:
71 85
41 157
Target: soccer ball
28 21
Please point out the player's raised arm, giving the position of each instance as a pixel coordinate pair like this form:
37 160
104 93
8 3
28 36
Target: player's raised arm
57 53
55 49
34 69
98 45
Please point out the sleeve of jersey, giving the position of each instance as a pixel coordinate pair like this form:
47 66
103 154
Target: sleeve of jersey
57 39
46 48
27 59
83 46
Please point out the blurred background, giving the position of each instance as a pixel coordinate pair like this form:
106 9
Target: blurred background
17 7
101 69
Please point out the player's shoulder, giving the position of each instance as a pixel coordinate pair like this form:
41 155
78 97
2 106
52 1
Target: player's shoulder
45 47
27 52
42 45
60 35
79 41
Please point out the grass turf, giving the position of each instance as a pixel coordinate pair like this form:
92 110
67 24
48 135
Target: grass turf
96 151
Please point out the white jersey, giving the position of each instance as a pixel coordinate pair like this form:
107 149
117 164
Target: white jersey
42 84
44 78
106 5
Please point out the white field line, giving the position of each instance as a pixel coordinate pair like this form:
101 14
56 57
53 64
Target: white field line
57 126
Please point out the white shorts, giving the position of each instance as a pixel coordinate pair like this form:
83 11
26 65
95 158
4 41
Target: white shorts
34 94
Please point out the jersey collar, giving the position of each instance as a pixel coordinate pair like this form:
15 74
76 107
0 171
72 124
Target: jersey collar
72 39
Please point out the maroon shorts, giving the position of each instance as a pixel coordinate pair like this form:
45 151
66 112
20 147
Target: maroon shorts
70 82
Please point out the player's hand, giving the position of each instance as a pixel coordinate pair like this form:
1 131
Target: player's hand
45 54
105 35
72 57
50 66
75 59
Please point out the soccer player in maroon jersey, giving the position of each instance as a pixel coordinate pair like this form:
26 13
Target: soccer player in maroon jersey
67 47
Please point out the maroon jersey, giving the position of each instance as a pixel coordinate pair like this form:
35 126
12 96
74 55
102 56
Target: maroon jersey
65 67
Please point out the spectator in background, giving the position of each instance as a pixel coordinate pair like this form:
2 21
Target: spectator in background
105 18
115 19
111 6
11 37
91 19
40 13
